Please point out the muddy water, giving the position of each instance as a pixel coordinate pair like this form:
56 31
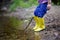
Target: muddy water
9 31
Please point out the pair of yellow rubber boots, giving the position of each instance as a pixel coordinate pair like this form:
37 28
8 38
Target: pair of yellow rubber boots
39 24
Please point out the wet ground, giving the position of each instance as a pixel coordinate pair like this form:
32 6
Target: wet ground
52 22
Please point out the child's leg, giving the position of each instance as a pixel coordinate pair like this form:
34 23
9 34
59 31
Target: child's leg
36 22
40 12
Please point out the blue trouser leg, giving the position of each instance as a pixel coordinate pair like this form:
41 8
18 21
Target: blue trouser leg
41 10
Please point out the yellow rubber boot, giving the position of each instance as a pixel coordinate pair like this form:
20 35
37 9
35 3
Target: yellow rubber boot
41 25
37 22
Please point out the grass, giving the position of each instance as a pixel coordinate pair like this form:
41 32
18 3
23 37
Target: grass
23 4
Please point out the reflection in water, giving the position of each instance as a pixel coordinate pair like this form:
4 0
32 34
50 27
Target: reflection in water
37 36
